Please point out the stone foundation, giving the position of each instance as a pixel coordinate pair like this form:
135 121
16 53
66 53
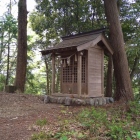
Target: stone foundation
78 101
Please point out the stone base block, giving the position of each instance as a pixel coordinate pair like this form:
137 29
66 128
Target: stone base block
77 101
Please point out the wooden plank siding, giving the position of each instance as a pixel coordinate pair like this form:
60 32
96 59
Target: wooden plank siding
95 71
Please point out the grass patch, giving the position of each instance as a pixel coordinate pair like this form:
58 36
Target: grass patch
116 123
120 122
39 136
41 122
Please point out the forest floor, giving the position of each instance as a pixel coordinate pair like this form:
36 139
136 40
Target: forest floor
19 113
26 117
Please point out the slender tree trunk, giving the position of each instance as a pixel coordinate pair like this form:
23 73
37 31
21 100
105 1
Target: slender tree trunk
135 66
2 47
22 46
122 76
8 62
109 78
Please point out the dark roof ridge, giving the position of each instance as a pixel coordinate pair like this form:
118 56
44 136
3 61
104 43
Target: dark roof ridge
97 31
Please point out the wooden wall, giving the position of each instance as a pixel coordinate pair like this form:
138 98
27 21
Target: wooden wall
95 71
94 75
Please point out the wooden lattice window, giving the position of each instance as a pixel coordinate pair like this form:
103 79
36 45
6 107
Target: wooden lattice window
83 69
67 72
70 71
75 72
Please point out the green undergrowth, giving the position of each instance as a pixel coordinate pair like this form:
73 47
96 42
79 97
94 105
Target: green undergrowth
121 122
41 122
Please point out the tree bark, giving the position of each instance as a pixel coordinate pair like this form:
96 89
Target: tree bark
22 46
109 78
135 67
122 76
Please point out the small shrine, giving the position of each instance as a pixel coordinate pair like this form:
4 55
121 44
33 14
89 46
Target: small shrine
82 64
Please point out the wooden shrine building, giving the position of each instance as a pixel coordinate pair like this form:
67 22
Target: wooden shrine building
82 63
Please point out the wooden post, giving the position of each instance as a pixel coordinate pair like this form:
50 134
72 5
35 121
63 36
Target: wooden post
79 74
53 73
102 73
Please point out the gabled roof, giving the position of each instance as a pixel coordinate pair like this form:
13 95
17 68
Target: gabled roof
80 42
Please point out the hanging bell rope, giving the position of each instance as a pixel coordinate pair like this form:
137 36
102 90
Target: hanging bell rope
64 64
68 56
68 61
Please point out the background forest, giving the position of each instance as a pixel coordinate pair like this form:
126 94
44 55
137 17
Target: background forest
52 19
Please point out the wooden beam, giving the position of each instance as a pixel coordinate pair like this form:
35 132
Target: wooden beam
53 73
102 72
79 71
107 44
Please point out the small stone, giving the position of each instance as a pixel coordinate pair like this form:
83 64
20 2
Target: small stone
68 101
91 102
87 101
107 100
53 99
96 102
111 100
80 102
58 100
62 100
104 101
46 99
100 101
73 101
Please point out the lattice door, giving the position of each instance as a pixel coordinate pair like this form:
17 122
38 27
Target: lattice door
69 74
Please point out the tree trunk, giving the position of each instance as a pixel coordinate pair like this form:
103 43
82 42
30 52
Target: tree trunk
109 78
135 67
122 76
22 46
8 63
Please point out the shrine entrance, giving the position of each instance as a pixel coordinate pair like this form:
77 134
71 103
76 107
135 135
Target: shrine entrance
69 74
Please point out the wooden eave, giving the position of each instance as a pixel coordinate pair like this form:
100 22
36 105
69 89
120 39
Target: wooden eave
80 42
102 38
59 51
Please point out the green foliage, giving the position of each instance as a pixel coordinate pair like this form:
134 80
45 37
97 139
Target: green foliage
115 124
8 36
52 19
71 16
76 16
134 109
2 82
131 30
41 122
61 136
39 136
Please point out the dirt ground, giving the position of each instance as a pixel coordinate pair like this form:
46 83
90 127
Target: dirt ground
19 112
